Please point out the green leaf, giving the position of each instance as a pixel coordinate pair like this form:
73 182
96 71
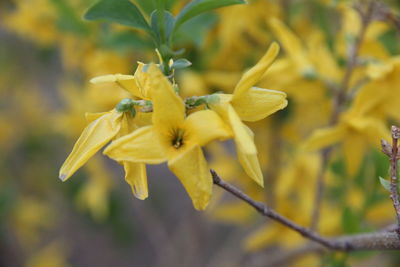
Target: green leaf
169 22
125 41
148 6
118 11
67 19
181 64
196 7
385 183
194 31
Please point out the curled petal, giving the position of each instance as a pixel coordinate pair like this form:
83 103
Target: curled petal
93 138
291 43
126 82
252 76
251 166
136 177
259 103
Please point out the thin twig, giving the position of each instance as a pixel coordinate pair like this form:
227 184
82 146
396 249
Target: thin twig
368 241
394 192
338 101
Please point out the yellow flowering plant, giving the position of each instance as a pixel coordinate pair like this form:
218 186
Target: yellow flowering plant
172 135
182 83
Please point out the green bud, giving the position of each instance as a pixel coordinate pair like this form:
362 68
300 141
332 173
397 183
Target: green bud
211 99
125 105
310 74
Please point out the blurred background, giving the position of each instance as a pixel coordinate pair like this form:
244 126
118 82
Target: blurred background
48 54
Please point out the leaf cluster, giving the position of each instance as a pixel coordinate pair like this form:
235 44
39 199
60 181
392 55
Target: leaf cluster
161 25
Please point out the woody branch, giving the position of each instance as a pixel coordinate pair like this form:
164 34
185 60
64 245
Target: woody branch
386 240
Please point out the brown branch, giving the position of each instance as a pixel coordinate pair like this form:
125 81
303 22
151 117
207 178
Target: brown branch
338 101
394 192
368 241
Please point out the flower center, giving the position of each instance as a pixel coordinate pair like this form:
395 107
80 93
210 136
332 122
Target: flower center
177 140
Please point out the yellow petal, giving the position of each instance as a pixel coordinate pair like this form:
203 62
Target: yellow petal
243 139
250 162
258 103
325 137
141 146
205 126
354 147
251 166
232 212
127 125
94 116
265 235
169 109
136 177
252 76
192 170
373 129
93 138
143 81
291 43
126 82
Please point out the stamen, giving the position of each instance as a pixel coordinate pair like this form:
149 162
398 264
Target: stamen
177 140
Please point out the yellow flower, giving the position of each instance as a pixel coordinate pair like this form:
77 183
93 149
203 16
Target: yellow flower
355 131
173 138
250 103
137 84
103 128
93 196
51 255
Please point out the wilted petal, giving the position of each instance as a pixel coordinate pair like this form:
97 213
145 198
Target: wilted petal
136 177
93 138
192 170
252 76
141 146
258 103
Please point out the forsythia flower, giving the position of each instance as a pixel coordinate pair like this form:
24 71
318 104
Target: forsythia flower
354 130
98 133
175 138
113 124
250 103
